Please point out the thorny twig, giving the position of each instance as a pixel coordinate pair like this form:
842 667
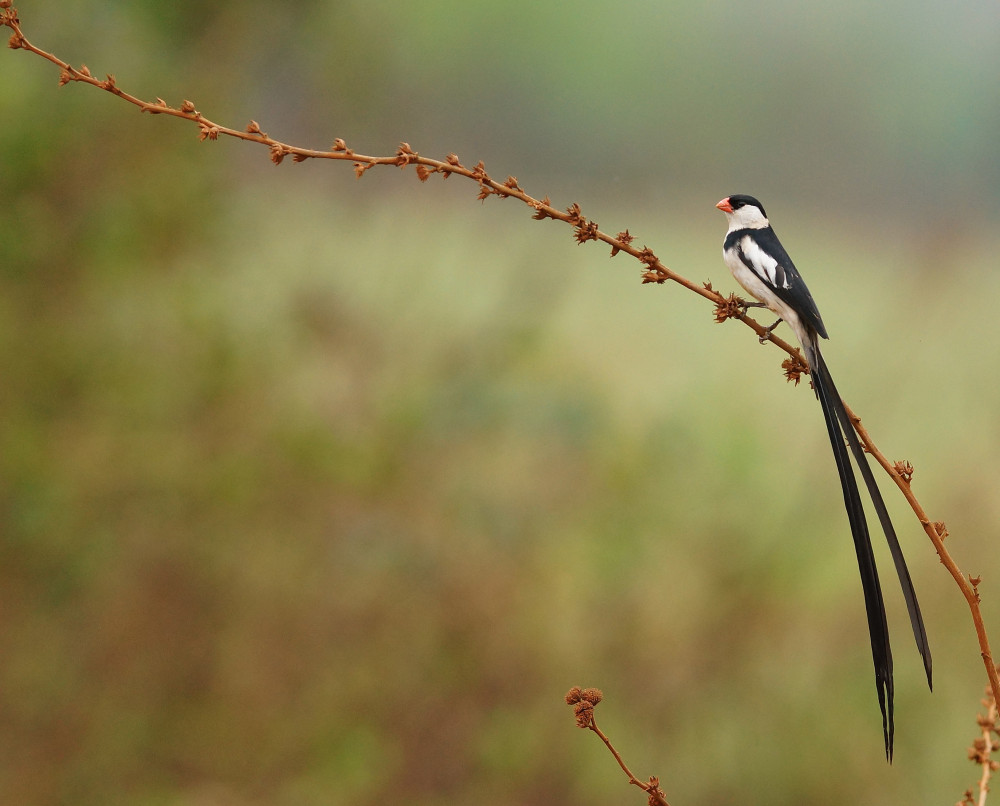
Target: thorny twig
584 701
654 271
982 749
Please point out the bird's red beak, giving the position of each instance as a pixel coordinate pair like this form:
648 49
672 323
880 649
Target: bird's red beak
725 206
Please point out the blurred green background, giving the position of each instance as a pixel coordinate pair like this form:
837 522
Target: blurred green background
324 491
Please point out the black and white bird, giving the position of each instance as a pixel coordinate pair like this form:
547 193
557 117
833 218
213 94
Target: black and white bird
761 265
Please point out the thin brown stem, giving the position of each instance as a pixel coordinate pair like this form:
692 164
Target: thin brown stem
985 761
631 778
584 701
652 788
936 531
981 752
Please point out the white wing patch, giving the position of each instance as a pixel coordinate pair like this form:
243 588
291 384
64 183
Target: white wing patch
762 264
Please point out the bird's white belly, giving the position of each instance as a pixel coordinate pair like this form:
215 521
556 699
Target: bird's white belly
756 287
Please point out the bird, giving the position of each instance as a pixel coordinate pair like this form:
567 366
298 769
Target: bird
760 264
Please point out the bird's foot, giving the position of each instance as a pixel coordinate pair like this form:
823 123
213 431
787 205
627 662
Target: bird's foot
767 332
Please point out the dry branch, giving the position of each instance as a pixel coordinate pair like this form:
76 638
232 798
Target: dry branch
982 750
584 701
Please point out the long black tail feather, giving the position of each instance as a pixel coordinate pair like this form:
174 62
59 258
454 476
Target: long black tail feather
909 594
835 415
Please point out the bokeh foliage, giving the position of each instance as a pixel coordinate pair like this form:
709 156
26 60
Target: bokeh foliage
323 491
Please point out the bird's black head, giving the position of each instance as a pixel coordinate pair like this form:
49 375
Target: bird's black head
738 200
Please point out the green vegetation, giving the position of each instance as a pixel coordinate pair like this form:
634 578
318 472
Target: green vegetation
317 491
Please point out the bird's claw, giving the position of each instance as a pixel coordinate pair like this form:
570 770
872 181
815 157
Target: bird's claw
766 335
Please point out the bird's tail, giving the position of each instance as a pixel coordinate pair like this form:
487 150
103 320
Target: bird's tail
878 630
909 594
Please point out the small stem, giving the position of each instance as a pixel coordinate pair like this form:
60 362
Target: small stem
648 788
969 591
987 763
631 778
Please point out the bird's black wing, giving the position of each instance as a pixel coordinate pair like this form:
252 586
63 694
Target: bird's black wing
766 257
